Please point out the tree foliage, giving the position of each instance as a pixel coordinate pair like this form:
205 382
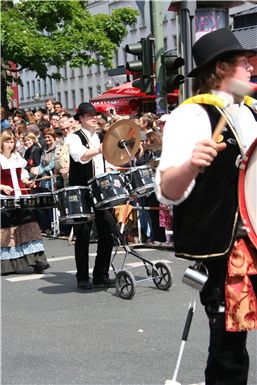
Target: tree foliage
38 34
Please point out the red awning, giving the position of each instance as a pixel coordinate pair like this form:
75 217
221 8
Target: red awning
126 99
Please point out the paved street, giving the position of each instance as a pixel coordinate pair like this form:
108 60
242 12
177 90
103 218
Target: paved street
52 333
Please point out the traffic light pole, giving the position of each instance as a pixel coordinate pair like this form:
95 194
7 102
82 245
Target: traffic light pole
187 14
157 31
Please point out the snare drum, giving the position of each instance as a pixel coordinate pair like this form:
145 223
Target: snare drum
248 192
75 204
28 201
46 200
108 190
139 181
8 202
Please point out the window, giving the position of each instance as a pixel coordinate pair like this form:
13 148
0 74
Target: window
59 96
51 86
65 72
81 92
174 37
73 97
81 71
45 87
66 99
124 55
28 90
116 58
90 92
33 88
22 91
72 73
39 87
98 66
98 90
165 43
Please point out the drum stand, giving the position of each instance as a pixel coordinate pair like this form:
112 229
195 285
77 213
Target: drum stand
125 281
55 223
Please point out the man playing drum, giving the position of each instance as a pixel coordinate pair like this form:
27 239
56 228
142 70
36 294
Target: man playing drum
199 177
86 161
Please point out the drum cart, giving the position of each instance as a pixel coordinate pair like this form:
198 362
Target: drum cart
125 281
120 145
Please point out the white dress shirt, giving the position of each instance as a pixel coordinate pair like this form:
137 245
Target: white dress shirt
77 149
189 124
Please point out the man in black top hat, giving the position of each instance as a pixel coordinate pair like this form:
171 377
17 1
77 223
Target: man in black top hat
198 175
86 161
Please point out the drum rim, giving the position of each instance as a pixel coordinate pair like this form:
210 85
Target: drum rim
44 193
78 216
122 196
151 185
71 188
28 195
143 167
100 175
241 197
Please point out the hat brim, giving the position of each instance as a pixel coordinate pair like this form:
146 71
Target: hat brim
197 70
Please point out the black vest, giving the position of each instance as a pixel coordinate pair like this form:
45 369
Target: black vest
205 223
80 173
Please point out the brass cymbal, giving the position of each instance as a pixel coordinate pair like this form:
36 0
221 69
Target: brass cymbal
121 142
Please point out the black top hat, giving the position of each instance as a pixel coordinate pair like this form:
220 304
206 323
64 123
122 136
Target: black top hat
213 45
84 108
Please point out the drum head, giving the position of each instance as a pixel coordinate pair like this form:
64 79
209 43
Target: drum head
248 192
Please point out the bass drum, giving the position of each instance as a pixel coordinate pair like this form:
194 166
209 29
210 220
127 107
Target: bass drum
248 192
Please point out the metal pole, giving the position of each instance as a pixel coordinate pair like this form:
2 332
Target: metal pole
157 31
187 14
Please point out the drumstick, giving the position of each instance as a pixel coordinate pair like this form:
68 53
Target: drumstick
219 128
43 178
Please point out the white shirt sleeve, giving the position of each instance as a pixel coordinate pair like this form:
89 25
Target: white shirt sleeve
76 148
186 125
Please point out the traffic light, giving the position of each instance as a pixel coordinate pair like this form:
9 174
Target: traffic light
172 78
143 67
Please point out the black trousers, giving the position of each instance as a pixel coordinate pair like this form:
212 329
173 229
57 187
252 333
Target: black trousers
104 223
228 360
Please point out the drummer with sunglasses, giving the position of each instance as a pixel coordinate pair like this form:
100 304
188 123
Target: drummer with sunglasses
199 177
86 161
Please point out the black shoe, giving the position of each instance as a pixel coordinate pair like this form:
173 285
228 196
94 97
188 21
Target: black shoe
39 267
84 285
103 282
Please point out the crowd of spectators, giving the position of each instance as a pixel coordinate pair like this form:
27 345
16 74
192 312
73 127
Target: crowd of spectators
42 138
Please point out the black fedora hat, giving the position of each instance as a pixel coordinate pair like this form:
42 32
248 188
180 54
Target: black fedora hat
213 45
84 108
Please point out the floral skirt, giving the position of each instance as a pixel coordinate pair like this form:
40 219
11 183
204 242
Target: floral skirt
21 241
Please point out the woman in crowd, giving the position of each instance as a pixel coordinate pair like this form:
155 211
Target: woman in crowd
21 242
33 151
20 131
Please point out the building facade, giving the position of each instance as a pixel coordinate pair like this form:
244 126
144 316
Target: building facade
84 83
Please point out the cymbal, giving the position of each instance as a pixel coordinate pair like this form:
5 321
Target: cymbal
121 142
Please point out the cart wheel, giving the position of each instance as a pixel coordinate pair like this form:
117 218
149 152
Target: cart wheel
125 284
161 275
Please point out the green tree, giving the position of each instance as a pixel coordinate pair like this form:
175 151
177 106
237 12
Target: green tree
38 34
